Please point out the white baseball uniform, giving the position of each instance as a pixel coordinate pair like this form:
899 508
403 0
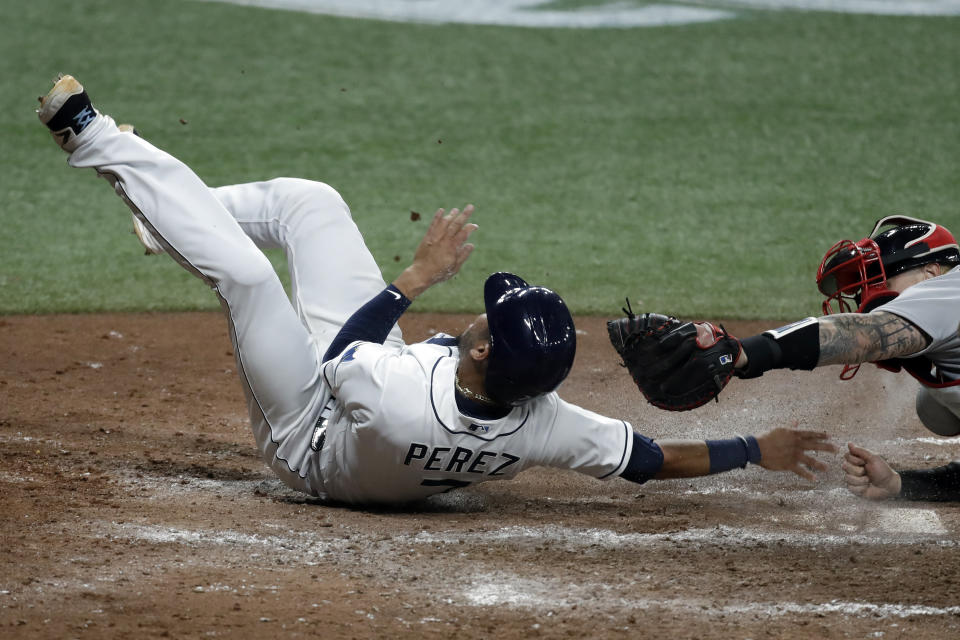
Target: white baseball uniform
390 425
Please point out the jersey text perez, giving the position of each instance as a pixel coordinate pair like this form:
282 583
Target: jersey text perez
459 460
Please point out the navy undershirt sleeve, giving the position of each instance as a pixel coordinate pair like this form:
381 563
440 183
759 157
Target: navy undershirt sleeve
370 323
941 484
733 453
646 459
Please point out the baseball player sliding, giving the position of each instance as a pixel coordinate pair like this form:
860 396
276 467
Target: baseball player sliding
340 407
892 298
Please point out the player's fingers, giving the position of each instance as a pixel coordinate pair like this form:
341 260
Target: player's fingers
853 469
463 221
818 444
804 473
812 435
435 224
462 254
813 463
860 452
465 232
457 219
441 228
855 481
852 459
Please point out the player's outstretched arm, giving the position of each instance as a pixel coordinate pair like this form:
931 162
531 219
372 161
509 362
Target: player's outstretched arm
441 253
853 338
869 476
776 450
844 338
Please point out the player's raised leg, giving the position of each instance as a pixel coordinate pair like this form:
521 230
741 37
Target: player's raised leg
332 273
277 361
331 270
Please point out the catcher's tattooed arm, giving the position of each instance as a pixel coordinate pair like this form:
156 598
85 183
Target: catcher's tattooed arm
852 338
844 338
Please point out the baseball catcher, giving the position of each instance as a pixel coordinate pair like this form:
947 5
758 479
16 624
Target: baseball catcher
892 298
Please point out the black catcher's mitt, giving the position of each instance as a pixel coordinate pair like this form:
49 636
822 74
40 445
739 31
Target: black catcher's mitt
677 365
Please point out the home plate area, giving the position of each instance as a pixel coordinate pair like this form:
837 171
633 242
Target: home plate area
135 506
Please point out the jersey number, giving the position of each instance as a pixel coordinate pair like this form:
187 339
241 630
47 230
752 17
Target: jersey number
449 484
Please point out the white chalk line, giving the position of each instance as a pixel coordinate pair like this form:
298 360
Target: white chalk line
6 476
558 537
940 442
304 545
811 518
505 589
573 539
501 588
162 487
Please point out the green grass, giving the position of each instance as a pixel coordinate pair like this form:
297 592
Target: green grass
702 170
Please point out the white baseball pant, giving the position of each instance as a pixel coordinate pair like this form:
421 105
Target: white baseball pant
214 233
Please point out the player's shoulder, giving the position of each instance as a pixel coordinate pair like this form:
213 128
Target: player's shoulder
356 356
438 345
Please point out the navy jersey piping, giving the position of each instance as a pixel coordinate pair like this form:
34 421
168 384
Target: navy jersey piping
443 342
626 441
436 415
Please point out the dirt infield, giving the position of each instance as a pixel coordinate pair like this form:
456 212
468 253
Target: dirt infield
133 506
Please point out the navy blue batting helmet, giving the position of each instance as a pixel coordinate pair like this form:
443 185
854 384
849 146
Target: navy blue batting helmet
532 339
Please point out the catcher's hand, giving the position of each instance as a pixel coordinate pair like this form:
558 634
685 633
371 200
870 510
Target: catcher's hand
677 365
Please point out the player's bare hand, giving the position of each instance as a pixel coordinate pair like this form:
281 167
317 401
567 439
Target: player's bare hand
441 253
789 450
868 475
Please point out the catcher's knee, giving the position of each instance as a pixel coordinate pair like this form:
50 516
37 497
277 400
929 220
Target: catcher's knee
935 416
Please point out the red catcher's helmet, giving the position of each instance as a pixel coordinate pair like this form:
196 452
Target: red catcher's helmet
853 275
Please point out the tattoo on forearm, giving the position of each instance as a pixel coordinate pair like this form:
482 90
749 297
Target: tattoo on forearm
852 338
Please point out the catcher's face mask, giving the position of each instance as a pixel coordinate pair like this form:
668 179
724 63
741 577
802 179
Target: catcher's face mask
853 278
